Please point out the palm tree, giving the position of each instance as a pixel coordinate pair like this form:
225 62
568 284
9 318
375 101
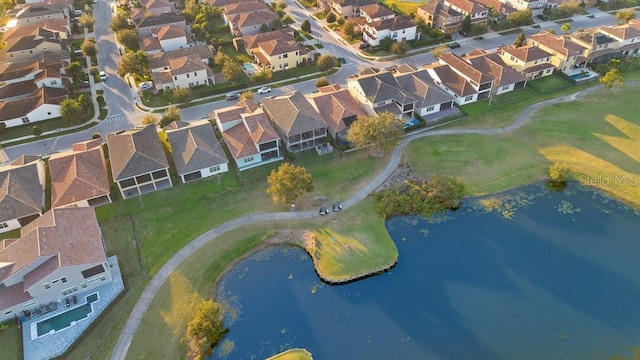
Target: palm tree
70 110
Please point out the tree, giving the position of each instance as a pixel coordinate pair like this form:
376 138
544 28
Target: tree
87 20
75 70
128 38
520 40
349 28
625 15
276 24
400 48
612 78
438 51
246 95
264 28
204 330
382 131
558 172
565 27
551 31
466 24
221 58
521 17
331 18
89 48
149 119
288 182
120 21
181 95
326 62
36 131
386 42
84 102
320 82
231 71
281 4
287 20
340 20
133 63
305 26
171 114
70 110
94 71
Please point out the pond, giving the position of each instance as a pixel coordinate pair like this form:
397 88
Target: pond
544 275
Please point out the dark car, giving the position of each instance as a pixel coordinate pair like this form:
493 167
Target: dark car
323 211
462 33
543 17
454 45
336 207
232 96
364 45
342 60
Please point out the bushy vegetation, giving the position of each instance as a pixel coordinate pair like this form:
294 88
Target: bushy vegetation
565 10
618 4
205 330
516 19
424 198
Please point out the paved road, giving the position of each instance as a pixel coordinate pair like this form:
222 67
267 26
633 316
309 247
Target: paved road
131 327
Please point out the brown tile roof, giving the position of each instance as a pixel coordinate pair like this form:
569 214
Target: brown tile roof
243 7
525 53
293 114
221 3
439 9
17 89
393 24
13 295
468 6
623 32
195 147
258 17
78 175
134 152
492 65
21 107
355 3
162 59
498 6
149 43
376 11
155 4
14 70
60 26
187 64
171 32
69 236
252 41
334 105
558 43
280 46
31 41
239 142
456 83
21 193
465 68
260 128
157 20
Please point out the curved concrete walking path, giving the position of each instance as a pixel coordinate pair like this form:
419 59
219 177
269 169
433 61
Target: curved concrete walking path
130 328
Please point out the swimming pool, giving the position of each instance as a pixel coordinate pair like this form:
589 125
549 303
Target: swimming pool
67 318
581 75
248 68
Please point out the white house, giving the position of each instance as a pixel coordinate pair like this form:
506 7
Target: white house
42 104
397 28
185 67
22 186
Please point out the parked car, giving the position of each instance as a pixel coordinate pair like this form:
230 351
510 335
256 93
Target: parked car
462 33
147 85
342 60
390 68
454 45
543 17
264 90
323 211
336 207
364 45
232 96
77 12
84 84
103 76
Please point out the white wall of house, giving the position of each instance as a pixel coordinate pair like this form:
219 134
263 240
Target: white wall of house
466 100
43 112
173 44
210 171
505 89
398 35
253 29
148 31
69 280
9 225
10 313
431 109
50 82
191 79
248 162
141 186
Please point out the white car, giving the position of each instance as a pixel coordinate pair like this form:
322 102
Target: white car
264 90
145 86
103 76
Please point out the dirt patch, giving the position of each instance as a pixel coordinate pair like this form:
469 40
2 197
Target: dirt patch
379 153
402 173
294 237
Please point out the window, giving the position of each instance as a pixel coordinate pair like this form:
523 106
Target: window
25 120
175 78
505 87
468 98
195 74
63 279
430 108
8 312
102 278
284 56
395 34
187 76
49 113
4 225
55 281
54 82
83 285
214 168
248 160
47 286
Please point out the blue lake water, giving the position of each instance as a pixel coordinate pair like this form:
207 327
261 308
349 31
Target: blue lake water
548 276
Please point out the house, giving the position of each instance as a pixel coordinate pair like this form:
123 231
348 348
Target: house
244 7
150 23
565 53
138 162
440 16
42 104
166 38
480 81
505 79
627 34
299 125
600 47
38 73
36 13
22 184
338 109
249 43
248 134
478 13
453 83
32 46
248 23
376 12
407 93
184 67
221 3
59 254
502 8
277 50
529 60
79 176
526 4
195 150
349 8
397 28
59 26
154 7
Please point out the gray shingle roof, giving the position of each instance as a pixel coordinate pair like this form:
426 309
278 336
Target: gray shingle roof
195 147
21 193
293 114
423 88
135 152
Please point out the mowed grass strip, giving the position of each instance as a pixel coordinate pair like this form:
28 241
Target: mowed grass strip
293 354
166 319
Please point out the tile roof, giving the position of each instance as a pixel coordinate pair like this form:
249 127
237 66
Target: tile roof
149 43
18 108
59 238
558 43
252 41
465 68
452 80
134 152
592 37
155 4
162 59
78 175
376 11
281 46
439 9
13 295
334 105
60 26
195 147
16 89
187 64
21 193
157 20
239 142
422 88
32 41
624 32
526 52
497 5
221 3
393 24
258 17
467 6
379 87
492 65
355 3
243 7
293 113
171 32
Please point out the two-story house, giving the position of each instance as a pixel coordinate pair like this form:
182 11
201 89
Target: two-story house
627 34
397 28
479 80
33 45
36 13
600 47
148 24
490 64
529 60
566 54
337 108
248 17
348 8
22 184
138 163
526 4
280 53
195 150
166 38
437 14
184 67
478 13
59 26
248 134
299 125
376 12
453 83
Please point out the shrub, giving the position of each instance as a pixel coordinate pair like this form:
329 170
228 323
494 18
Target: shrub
331 18
320 82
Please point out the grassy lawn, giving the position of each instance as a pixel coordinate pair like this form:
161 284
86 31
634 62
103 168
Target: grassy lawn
548 84
11 342
293 354
577 133
165 322
403 7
